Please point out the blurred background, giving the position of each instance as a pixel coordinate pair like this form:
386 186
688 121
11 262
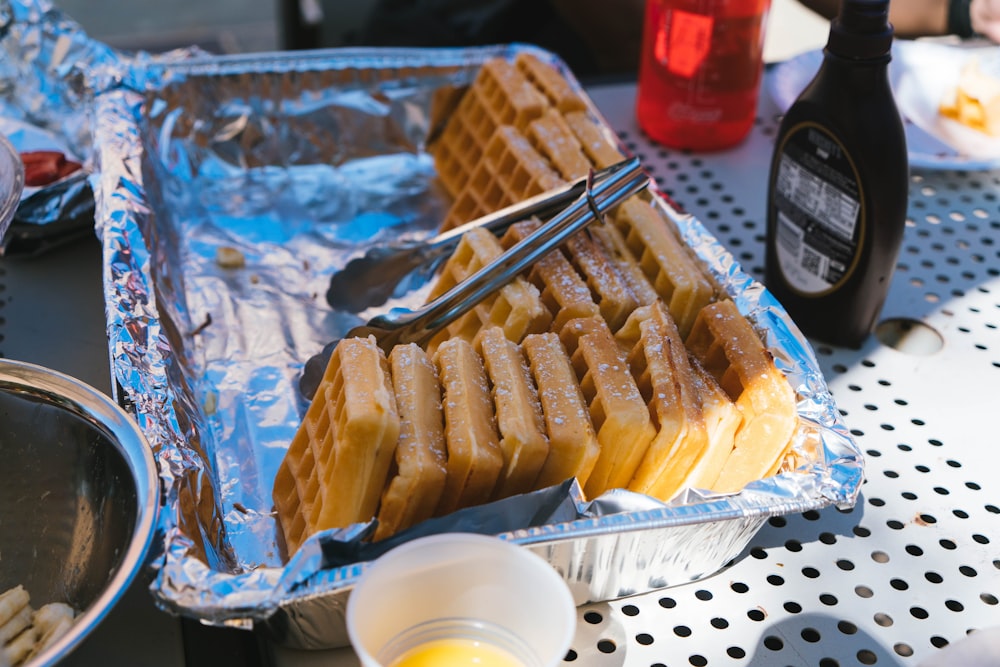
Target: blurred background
241 26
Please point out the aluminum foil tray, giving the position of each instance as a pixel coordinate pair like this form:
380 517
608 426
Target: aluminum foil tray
298 162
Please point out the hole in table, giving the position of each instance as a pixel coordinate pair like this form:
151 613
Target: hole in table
909 336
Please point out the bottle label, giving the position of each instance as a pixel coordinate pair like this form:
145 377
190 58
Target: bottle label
683 42
819 217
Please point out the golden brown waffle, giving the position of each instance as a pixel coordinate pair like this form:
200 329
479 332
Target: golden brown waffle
617 409
499 95
659 362
551 137
553 85
609 289
517 306
573 445
610 242
518 413
562 290
676 276
474 456
722 420
597 145
338 461
417 481
729 349
509 170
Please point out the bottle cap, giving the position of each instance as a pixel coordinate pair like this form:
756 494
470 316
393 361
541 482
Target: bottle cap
861 29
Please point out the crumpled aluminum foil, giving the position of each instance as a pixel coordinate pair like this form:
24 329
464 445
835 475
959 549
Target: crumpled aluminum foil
300 161
49 71
44 104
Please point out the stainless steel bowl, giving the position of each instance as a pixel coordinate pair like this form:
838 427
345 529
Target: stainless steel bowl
79 494
11 183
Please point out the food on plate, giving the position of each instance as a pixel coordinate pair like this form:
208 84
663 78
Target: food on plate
614 360
975 100
43 168
24 631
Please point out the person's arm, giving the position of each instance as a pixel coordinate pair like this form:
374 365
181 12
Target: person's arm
985 18
918 18
909 18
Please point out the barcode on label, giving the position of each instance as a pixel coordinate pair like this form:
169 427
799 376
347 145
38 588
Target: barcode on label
812 261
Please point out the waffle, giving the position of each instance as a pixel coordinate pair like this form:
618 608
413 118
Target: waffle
553 139
610 291
573 445
418 476
597 146
517 306
617 409
722 420
508 171
729 349
499 95
518 413
561 288
659 362
610 242
553 85
675 275
336 466
474 456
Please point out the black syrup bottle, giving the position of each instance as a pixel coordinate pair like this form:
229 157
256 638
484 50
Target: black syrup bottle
837 191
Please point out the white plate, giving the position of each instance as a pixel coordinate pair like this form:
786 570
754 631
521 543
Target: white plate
921 74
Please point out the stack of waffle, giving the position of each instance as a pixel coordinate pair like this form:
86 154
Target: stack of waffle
614 360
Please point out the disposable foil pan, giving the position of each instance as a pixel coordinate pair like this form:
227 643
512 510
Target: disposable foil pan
299 162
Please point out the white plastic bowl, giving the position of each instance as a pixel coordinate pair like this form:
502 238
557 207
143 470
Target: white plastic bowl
476 586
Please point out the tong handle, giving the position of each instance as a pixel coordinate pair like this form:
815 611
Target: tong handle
404 326
541 204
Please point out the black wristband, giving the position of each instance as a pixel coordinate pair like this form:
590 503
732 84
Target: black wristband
959 18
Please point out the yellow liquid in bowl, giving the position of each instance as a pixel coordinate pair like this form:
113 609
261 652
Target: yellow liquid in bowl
456 652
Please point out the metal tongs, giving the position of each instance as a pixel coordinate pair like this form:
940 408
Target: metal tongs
601 191
373 278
